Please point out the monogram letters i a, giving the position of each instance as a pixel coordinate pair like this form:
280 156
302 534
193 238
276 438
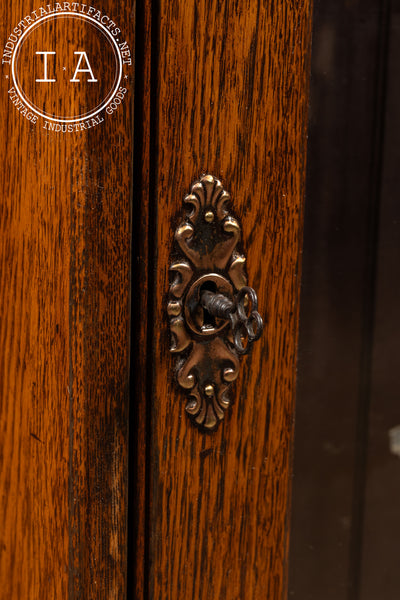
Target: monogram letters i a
82 59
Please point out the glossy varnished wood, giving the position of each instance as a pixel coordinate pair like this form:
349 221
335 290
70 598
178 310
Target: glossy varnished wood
231 101
64 350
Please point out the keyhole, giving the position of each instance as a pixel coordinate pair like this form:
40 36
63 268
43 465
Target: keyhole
200 320
208 318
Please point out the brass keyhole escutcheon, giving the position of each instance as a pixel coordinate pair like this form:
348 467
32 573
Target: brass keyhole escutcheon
213 313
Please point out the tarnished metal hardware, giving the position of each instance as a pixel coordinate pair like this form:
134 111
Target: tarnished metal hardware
213 313
245 324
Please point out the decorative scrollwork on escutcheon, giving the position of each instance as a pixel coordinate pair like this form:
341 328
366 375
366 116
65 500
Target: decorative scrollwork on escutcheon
208 300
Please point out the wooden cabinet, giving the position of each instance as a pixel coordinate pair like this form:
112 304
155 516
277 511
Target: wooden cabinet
109 114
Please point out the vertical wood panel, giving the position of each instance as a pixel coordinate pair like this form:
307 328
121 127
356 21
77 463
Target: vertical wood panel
231 101
64 355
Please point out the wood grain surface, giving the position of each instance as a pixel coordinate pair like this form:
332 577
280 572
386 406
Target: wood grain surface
64 333
231 101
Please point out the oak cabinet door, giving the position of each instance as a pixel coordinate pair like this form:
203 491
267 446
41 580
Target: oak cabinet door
110 114
65 264
226 96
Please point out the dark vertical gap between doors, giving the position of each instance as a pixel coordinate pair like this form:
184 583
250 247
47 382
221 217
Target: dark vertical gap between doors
367 334
144 222
152 257
137 386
